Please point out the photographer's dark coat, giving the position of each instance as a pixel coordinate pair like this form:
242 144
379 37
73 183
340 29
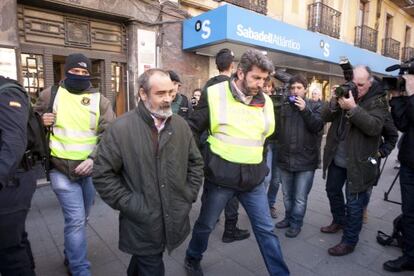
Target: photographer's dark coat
403 115
364 124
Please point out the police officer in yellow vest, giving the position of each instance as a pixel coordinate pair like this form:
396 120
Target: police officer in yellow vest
239 117
79 117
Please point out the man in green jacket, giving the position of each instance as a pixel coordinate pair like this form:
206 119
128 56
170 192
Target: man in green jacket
148 166
350 154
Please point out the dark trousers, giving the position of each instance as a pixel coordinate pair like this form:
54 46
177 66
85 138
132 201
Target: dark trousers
15 253
407 198
151 265
350 214
334 185
231 212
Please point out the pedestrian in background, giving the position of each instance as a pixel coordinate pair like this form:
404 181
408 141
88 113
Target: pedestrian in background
180 104
299 124
273 180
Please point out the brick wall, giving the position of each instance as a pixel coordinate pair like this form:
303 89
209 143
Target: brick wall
192 68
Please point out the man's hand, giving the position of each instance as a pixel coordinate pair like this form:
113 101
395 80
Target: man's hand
347 103
48 119
84 168
300 103
409 84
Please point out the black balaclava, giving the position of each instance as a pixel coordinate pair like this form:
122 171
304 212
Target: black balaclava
75 83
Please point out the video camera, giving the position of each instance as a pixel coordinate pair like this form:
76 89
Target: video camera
343 89
398 83
281 95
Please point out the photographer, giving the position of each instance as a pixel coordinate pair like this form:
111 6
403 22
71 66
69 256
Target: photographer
402 110
357 111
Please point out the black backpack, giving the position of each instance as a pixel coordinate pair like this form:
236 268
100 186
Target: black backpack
396 238
37 142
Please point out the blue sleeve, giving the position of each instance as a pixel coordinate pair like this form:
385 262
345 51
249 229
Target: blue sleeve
14 113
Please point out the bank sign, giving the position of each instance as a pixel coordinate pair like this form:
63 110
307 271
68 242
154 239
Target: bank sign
229 23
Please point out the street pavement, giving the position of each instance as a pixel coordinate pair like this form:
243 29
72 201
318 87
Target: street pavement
305 255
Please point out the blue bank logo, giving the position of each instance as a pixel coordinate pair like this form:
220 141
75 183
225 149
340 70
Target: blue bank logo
325 48
203 27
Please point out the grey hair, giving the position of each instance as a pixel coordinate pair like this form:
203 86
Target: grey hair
143 79
252 58
367 69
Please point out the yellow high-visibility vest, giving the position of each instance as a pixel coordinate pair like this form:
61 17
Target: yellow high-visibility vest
75 130
238 131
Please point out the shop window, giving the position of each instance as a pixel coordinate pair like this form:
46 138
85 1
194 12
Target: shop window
33 74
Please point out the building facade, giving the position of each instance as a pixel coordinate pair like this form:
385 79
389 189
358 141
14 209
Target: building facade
373 29
121 37
125 37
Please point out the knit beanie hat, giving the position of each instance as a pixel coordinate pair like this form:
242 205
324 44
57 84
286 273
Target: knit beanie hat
77 61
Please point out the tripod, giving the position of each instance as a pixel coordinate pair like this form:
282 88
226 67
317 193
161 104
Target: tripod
386 194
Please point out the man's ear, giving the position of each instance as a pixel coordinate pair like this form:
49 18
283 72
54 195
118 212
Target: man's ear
240 74
232 67
143 96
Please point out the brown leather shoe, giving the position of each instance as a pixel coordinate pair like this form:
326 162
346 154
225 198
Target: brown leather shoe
341 249
332 228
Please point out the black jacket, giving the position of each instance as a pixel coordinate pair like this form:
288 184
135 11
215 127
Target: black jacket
389 137
152 178
214 80
297 135
402 110
364 125
241 177
14 114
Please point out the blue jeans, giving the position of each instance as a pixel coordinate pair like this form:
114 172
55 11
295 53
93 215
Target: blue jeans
273 179
76 199
256 206
354 210
296 187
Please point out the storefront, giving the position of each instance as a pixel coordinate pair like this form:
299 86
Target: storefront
46 37
36 36
312 54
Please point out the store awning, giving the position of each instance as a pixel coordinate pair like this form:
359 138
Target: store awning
288 46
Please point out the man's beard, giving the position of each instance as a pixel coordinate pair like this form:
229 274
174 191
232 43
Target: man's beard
163 112
247 91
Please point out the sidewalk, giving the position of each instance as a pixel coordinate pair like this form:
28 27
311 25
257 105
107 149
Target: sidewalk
305 255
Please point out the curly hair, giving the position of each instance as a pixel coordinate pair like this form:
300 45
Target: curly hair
252 58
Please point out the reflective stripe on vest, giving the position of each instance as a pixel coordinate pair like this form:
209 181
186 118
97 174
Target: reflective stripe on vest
238 131
75 130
